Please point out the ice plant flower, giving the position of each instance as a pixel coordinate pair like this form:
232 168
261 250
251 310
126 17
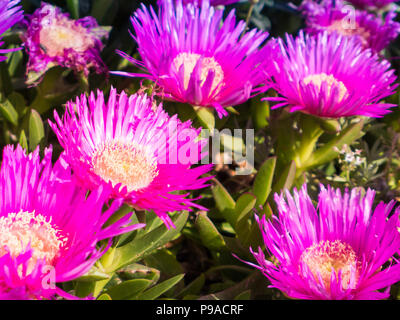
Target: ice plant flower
340 249
329 75
198 2
49 227
371 4
197 58
10 14
335 16
134 145
52 39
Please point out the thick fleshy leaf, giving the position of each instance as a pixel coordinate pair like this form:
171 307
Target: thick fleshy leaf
263 181
36 129
161 288
8 112
104 296
22 140
224 202
327 152
147 243
209 234
243 210
128 289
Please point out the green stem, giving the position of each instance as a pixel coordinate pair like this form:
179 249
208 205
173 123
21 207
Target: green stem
311 131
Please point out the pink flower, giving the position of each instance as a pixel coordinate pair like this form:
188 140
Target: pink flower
329 75
335 16
52 39
135 146
49 227
10 14
339 249
198 58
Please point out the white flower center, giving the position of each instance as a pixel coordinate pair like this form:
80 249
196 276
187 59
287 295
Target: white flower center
24 229
331 82
189 61
124 163
326 257
64 34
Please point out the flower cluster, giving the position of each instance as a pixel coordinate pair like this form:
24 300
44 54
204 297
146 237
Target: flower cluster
335 16
74 215
49 227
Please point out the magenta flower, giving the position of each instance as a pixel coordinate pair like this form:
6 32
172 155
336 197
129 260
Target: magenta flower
52 39
10 14
333 251
136 147
49 227
196 58
335 16
371 4
329 75
198 2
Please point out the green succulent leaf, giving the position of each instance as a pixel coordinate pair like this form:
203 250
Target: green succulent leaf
36 129
159 289
209 234
146 243
128 289
8 112
263 181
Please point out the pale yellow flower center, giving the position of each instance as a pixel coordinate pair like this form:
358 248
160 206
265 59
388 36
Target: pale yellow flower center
189 61
326 257
24 229
126 163
64 34
318 79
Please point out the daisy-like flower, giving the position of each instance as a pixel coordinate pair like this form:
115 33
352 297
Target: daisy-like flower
49 227
329 75
371 4
52 39
136 147
197 58
341 249
198 2
335 16
10 14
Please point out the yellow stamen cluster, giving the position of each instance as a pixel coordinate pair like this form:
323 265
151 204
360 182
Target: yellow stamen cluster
326 257
124 163
318 79
24 229
64 34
